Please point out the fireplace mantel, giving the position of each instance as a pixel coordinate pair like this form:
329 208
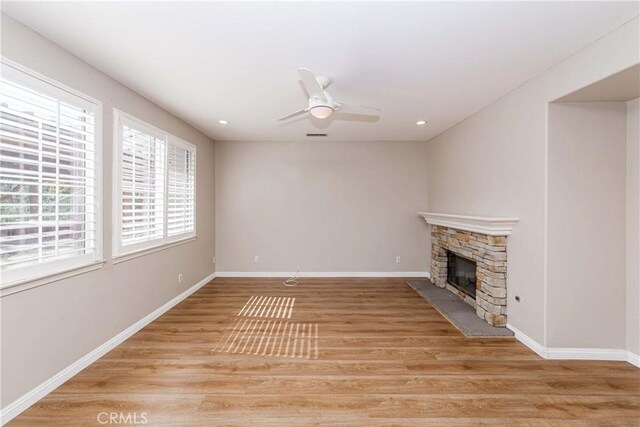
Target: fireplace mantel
491 226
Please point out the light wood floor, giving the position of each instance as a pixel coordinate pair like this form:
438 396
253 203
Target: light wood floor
384 357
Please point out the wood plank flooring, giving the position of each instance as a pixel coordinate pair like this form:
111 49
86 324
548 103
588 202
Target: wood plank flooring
384 357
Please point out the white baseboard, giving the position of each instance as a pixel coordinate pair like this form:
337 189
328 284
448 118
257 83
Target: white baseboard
556 353
586 354
529 342
633 358
323 274
13 409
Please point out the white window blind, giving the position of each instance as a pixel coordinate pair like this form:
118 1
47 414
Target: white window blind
155 181
49 215
142 185
181 191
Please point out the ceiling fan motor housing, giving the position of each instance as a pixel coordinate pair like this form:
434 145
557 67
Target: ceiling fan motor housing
323 81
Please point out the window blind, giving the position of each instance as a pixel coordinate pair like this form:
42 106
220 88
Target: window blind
142 185
48 178
181 191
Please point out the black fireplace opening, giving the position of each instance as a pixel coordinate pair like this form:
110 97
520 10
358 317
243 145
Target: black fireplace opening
461 273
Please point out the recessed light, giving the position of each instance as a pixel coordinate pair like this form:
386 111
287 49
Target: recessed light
223 122
421 122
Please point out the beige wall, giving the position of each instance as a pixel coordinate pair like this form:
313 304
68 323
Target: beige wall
586 225
633 226
45 329
494 164
320 206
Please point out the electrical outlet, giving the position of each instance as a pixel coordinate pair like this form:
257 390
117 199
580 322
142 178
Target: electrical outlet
397 260
180 278
213 260
256 259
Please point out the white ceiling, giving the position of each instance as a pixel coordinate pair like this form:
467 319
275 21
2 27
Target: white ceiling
438 61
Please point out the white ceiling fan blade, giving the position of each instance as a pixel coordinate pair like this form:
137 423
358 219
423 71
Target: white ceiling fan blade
310 82
352 108
297 113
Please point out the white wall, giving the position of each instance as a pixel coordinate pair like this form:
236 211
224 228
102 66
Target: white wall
320 206
494 164
633 227
586 225
47 328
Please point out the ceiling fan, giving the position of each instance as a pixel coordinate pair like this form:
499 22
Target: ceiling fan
321 104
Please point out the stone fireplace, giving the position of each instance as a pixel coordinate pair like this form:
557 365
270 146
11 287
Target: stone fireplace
467 241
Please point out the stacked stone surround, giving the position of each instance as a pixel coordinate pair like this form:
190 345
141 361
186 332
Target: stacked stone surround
490 255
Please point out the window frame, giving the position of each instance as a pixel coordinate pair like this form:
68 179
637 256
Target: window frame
121 252
62 266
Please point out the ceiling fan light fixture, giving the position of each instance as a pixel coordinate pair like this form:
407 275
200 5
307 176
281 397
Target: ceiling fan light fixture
321 111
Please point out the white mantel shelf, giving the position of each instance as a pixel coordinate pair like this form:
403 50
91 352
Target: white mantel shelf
491 226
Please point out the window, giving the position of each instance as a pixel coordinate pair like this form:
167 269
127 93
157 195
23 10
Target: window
49 177
155 182
141 184
181 208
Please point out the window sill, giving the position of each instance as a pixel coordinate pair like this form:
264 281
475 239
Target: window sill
23 285
142 252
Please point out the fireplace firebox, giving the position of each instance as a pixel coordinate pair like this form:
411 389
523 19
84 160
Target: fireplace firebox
461 273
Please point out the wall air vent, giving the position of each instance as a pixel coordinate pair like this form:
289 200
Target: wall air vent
316 134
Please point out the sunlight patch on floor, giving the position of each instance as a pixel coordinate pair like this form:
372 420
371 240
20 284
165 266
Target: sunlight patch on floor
269 307
275 338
